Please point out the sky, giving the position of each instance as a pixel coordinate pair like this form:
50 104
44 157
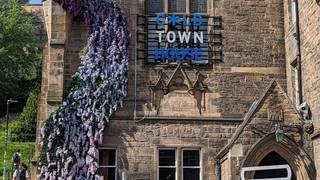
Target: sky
35 1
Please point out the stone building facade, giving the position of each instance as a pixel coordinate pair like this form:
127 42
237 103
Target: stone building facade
240 110
302 44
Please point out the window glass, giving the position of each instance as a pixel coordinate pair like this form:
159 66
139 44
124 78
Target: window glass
293 11
107 163
167 173
107 157
177 6
191 164
191 158
167 164
198 6
167 158
155 6
109 173
191 174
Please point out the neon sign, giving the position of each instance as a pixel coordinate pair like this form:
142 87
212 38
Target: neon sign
182 43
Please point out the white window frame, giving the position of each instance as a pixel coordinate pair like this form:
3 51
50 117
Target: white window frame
192 167
175 162
116 160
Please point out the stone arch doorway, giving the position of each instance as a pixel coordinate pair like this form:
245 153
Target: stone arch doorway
268 151
273 158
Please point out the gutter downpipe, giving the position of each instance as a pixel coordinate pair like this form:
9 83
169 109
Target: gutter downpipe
218 169
300 99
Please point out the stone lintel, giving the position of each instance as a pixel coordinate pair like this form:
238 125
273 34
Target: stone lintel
258 70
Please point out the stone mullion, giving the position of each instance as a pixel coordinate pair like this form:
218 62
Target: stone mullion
179 163
188 7
166 6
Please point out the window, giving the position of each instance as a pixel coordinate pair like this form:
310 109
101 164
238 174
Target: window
155 6
177 6
191 164
293 11
155 48
294 82
167 164
188 169
108 163
198 6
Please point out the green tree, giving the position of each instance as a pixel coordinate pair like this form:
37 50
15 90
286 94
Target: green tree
25 128
3 2
20 52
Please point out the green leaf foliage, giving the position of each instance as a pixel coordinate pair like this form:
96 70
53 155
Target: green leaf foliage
25 127
20 52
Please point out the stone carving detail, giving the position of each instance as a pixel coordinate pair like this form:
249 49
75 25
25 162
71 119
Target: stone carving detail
274 111
308 128
258 130
159 89
178 80
275 114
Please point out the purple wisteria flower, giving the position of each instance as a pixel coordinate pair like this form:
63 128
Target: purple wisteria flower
71 136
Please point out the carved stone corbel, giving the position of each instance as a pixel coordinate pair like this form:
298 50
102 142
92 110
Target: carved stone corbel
199 92
158 90
178 80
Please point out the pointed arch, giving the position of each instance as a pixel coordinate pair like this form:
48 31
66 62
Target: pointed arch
297 158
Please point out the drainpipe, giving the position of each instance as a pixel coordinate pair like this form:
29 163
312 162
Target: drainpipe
299 71
218 169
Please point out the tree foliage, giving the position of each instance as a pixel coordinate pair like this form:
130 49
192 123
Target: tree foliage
25 129
20 51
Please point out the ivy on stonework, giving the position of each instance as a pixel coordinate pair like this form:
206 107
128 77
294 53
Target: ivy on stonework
71 135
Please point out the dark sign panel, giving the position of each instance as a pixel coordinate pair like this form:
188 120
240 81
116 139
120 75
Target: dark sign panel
173 38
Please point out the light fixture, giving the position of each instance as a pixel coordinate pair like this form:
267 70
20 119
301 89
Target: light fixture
279 133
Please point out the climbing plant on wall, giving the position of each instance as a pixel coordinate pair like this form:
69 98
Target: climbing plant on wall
71 135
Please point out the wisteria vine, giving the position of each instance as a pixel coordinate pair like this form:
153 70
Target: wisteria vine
71 135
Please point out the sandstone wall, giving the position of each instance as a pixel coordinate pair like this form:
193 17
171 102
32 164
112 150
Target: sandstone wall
137 143
253 54
309 12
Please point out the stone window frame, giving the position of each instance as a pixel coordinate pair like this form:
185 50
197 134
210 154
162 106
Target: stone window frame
116 159
192 167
